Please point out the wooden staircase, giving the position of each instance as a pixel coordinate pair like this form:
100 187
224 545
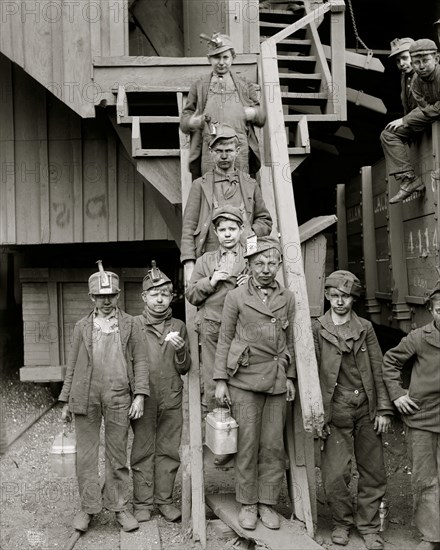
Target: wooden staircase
302 75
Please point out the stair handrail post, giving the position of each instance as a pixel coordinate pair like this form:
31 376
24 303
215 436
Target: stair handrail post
337 90
308 379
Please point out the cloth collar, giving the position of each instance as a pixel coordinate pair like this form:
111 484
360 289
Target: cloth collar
354 326
113 314
221 176
254 286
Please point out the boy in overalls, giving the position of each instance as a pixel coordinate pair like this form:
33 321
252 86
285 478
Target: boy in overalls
106 368
155 452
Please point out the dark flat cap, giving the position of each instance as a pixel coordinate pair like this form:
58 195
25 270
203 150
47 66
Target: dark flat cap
344 281
229 212
224 131
423 45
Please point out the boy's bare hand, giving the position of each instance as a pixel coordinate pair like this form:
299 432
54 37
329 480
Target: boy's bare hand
137 408
66 415
290 390
242 279
177 341
405 405
394 124
188 268
324 434
222 393
220 275
382 424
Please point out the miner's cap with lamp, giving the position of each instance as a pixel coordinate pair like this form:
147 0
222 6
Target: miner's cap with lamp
154 278
228 212
257 245
103 282
218 43
223 131
344 281
400 45
423 46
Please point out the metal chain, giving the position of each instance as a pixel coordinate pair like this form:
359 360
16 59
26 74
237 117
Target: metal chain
358 38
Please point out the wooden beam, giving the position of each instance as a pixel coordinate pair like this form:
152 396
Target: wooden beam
337 85
194 402
301 23
341 232
357 60
358 97
369 245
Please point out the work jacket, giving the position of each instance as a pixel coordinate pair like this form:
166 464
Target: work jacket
166 365
196 101
255 348
200 205
368 357
422 344
426 92
76 386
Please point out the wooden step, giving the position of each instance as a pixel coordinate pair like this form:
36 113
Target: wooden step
311 118
300 76
150 119
156 153
272 25
296 58
297 150
304 98
291 43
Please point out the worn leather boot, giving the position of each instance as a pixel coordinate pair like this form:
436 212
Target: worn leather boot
406 189
142 514
170 512
269 517
248 517
81 521
127 521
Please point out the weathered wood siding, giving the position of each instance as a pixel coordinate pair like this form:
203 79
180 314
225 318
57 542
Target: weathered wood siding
55 41
64 179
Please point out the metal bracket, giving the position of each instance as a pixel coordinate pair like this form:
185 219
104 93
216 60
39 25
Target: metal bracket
368 59
358 97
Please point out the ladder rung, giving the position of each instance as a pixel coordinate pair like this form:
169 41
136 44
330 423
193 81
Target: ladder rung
300 76
312 118
157 153
297 150
304 96
150 119
290 41
290 13
296 58
274 25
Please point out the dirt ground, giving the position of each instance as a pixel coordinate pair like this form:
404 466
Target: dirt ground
36 508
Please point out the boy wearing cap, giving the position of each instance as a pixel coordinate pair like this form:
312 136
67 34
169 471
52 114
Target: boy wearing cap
426 91
225 185
214 275
105 368
222 98
420 410
356 411
155 452
254 372
400 54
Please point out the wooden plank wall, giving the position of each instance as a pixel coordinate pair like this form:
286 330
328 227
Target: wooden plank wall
64 179
55 42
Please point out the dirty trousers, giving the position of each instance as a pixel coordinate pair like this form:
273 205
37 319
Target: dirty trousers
114 410
351 426
260 460
394 144
209 334
155 454
424 450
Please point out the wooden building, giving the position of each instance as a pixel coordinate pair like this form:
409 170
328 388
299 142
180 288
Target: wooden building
92 163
